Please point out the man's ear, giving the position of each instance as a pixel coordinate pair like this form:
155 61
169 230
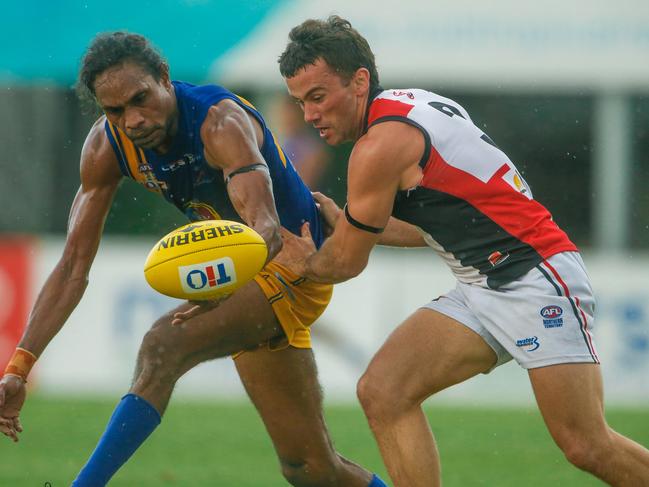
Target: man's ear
164 75
361 81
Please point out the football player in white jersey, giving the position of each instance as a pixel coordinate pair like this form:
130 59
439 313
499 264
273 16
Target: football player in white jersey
421 173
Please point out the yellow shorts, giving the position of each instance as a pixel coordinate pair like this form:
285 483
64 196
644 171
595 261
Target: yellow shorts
297 303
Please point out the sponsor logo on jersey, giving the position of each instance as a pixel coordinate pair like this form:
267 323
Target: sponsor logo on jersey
404 93
518 182
497 257
207 276
552 316
529 344
197 234
185 160
201 211
151 182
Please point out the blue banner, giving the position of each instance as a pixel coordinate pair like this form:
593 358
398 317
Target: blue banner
43 41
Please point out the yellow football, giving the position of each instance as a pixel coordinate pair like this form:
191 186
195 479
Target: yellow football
205 260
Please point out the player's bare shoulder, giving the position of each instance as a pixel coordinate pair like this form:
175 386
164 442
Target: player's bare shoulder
99 164
228 117
390 148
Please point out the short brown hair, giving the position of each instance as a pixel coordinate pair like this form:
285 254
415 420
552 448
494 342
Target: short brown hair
335 41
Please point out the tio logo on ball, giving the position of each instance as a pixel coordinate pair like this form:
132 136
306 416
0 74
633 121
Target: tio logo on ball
207 276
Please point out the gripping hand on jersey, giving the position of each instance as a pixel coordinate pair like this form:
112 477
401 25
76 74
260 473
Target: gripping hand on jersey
329 210
296 250
12 397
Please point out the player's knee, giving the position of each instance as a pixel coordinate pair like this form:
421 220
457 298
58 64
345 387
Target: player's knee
380 399
158 353
586 452
310 472
580 455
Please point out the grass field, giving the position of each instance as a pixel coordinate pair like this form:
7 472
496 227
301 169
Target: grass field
225 445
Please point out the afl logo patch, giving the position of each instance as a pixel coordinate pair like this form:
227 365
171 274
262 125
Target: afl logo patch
552 316
551 311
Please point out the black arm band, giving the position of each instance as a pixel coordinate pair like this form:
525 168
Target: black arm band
359 225
241 170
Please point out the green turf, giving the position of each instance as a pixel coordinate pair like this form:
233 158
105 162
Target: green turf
225 445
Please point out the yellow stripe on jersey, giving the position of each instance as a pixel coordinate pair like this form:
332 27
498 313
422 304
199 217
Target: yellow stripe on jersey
136 160
113 131
131 157
246 102
279 150
129 153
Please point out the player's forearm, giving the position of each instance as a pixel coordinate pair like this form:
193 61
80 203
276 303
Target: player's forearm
398 233
252 196
329 265
58 298
269 231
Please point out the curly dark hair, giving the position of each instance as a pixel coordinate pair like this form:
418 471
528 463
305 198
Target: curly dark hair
335 41
113 48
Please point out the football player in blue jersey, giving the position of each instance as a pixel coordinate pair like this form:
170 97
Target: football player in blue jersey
199 147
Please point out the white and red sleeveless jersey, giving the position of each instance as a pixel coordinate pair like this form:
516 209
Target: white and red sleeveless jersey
472 205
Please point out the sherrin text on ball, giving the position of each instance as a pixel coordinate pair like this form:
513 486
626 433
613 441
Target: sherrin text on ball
205 260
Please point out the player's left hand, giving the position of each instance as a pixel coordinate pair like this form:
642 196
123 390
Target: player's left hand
296 250
329 210
12 397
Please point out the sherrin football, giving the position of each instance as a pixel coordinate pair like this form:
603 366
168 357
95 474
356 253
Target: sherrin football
205 260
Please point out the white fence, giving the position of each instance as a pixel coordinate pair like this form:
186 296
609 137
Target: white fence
95 351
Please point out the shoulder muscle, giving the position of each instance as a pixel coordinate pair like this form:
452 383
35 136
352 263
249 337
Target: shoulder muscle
229 133
99 166
386 151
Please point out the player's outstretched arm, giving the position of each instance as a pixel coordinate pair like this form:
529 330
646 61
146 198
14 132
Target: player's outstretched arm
66 284
383 160
232 140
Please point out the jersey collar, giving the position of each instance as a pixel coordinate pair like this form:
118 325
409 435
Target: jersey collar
373 94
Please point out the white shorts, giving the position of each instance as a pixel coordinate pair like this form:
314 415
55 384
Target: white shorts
543 318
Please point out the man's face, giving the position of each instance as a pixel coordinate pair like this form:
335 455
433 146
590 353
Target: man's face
138 104
332 104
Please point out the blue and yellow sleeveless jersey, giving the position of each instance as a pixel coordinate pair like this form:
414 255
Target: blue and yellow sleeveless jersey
185 179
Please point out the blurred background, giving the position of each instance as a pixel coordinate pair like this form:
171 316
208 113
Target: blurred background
561 87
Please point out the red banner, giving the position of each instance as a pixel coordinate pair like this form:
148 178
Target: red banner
16 266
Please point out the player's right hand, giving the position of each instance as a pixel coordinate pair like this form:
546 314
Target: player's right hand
12 397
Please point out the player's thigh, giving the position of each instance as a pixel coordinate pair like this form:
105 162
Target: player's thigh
428 353
244 320
284 387
570 398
